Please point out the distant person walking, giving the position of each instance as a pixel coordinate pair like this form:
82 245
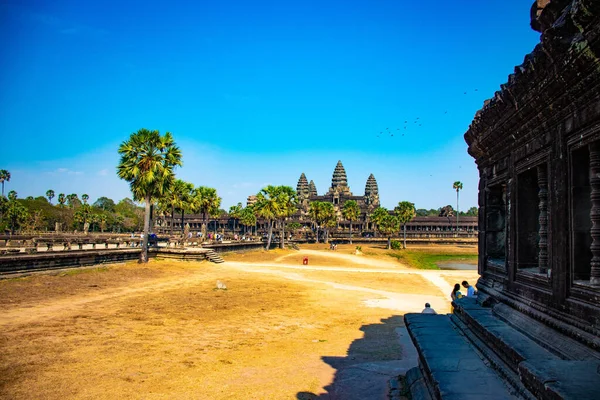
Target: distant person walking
428 309
470 289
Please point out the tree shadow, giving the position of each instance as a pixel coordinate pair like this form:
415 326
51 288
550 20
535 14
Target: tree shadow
369 364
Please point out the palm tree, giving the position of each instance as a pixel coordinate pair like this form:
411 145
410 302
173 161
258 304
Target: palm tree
235 213
351 212
83 215
314 211
286 197
329 219
4 176
16 212
267 207
179 197
405 212
389 225
85 198
215 213
61 199
72 199
205 199
50 195
457 186
147 162
377 216
247 217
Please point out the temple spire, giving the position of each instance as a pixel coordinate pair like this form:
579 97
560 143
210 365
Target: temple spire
312 189
339 176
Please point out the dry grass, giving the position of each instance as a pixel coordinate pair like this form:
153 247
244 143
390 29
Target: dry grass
163 331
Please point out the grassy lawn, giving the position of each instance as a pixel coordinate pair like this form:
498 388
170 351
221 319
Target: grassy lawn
428 259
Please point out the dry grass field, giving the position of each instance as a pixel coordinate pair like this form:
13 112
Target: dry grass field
164 331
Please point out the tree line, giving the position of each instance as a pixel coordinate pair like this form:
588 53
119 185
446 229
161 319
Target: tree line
148 161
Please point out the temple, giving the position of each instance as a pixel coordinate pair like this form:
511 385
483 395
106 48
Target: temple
533 331
338 194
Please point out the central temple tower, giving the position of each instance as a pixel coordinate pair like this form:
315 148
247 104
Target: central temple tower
339 182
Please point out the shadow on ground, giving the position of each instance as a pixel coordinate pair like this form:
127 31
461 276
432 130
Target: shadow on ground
384 352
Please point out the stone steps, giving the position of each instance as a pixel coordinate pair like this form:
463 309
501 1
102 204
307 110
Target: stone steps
212 256
530 359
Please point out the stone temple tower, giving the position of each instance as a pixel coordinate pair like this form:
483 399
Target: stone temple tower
371 193
303 192
312 188
339 181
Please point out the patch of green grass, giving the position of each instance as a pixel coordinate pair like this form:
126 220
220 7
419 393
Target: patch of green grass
77 271
429 260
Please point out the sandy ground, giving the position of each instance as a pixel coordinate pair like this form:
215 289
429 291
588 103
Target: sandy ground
281 330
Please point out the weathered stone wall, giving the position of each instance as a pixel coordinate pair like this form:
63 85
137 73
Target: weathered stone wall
536 146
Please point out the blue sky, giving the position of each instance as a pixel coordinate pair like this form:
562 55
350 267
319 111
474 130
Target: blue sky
254 93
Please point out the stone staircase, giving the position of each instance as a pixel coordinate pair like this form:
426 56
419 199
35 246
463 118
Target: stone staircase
212 256
497 352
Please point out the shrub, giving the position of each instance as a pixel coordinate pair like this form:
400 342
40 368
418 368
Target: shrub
396 245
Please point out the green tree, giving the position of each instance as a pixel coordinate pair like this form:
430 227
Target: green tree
267 207
148 160
205 200
50 195
235 213
73 200
473 212
405 212
314 211
377 216
458 187
85 197
351 212
389 225
82 216
16 212
288 205
216 213
104 203
180 197
61 199
247 217
4 177
329 219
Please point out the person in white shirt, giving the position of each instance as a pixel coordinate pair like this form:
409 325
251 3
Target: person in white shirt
428 309
470 289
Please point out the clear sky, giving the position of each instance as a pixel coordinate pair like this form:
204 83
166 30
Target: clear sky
254 92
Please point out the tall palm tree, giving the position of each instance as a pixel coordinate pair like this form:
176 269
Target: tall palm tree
205 199
267 207
351 212
4 176
247 217
389 225
315 211
16 212
72 200
50 195
235 212
85 197
61 199
148 160
329 219
180 198
288 204
457 186
405 212
377 216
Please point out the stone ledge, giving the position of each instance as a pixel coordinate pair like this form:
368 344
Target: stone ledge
452 367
